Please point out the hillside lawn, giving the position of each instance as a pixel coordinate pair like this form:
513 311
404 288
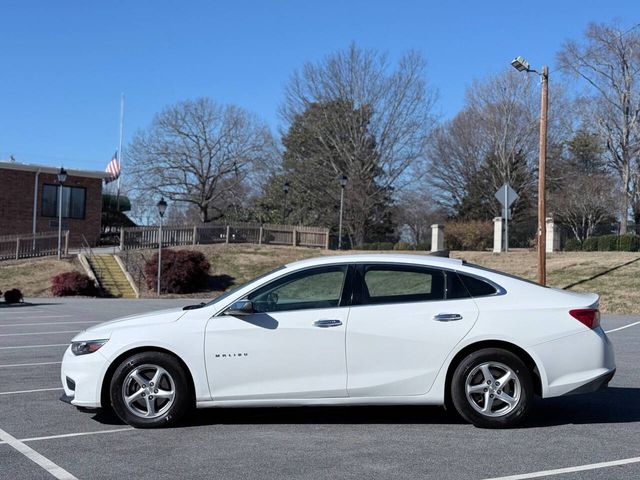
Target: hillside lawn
613 275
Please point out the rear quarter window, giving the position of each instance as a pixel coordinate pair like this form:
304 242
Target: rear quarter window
477 287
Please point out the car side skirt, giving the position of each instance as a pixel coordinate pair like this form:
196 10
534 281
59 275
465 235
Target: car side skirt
307 402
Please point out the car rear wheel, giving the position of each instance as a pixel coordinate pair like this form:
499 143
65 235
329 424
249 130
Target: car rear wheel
150 390
492 388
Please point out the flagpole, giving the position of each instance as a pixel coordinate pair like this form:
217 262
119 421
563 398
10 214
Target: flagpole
120 151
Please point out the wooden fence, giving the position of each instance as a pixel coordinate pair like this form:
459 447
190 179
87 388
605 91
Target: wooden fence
14 247
147 237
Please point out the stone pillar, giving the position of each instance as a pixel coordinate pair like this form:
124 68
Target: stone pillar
497 235
437 237
553 236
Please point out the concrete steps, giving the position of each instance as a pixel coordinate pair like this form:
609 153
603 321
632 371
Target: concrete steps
111 277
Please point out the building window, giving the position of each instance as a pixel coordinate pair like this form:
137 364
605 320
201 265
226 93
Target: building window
73 201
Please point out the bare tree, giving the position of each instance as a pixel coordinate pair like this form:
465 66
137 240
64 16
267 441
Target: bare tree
417 211
609 62
497 126
374 125
492 140
199 153
583 203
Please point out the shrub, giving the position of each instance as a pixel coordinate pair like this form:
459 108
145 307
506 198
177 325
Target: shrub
13 296
375 246
183 271
404 246
423 246
590 244
469 235
608 243
73 283
629 243
572 245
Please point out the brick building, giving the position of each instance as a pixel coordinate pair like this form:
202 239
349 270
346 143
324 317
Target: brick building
24 211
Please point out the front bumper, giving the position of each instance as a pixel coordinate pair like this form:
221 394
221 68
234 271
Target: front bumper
81 378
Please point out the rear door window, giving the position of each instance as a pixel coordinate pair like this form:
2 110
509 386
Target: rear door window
401 284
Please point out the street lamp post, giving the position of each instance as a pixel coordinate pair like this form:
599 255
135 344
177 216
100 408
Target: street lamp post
162 207
285 190
522 65
62 177
343 183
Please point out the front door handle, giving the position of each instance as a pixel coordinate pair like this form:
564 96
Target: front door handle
327 323
447 317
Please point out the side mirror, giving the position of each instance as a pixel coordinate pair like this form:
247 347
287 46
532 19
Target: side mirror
240 308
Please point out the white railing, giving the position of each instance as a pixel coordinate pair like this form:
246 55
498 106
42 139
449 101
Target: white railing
147 237
14 247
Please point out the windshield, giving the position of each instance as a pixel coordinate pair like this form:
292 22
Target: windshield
242 285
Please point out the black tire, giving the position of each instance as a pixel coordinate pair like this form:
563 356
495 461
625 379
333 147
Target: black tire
166 412
518 390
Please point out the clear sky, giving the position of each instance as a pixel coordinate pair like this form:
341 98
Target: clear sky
64 64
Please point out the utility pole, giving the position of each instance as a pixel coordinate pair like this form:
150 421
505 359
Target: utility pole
285 190
522 65
542 226
343 183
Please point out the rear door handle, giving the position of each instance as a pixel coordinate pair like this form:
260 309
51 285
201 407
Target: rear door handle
447 317
327 323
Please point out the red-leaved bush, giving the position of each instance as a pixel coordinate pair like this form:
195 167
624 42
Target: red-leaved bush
183 271
73 283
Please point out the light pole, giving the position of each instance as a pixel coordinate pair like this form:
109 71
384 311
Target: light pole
285 190
162 207
522 65
343 183
62 177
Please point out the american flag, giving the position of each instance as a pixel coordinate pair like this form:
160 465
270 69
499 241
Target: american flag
113 169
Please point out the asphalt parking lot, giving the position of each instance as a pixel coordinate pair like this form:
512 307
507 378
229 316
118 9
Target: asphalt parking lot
593 436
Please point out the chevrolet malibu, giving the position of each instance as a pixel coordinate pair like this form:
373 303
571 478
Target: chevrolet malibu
349 330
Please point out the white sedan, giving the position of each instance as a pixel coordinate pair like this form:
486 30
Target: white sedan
349 330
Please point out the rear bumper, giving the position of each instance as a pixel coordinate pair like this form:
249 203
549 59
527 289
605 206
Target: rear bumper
578 363
594 385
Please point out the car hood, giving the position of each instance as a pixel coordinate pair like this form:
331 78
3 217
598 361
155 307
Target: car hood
149 318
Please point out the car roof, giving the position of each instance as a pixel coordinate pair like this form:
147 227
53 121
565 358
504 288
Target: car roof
379 258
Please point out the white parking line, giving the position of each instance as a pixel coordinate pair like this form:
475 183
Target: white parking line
37 317
29 364
36 346
559 471
622 328
46 323
35 333
32 391
79 434
55 470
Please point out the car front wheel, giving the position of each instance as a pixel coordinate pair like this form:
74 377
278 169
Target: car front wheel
492 388
150 390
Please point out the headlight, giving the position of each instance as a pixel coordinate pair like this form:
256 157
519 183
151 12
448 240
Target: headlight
90 346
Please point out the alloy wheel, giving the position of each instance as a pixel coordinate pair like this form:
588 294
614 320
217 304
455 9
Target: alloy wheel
148 391
493 389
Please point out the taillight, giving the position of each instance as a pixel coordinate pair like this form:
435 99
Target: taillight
589 316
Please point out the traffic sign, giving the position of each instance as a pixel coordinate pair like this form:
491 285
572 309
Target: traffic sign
506 195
